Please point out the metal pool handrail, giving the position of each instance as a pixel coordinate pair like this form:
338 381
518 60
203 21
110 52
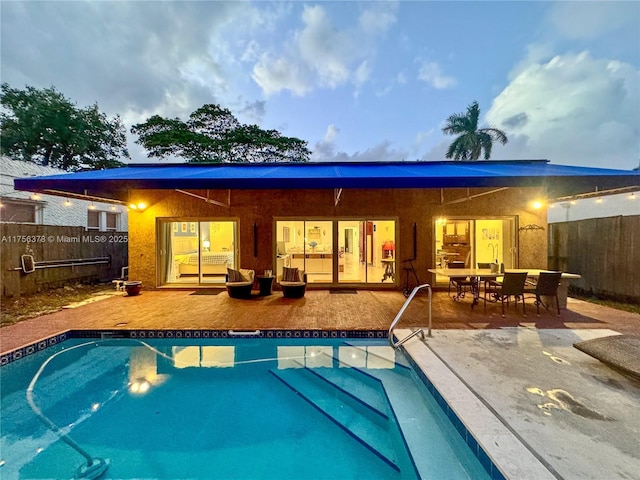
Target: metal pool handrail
401 312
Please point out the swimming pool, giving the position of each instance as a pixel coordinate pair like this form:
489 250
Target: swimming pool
226 408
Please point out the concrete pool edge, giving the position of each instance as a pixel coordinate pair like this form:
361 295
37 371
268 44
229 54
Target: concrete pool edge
504 449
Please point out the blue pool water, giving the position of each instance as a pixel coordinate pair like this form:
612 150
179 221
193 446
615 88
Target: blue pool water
228 409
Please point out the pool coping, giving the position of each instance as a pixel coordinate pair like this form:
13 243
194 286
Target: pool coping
501 452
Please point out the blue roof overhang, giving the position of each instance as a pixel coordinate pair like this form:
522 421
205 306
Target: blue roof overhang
115 183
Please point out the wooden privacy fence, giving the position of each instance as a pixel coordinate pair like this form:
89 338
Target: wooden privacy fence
605 251
61 255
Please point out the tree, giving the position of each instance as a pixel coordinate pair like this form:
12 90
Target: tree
471 139
213 134
44 127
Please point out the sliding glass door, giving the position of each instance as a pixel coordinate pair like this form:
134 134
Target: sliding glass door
350 251
475 240
196 252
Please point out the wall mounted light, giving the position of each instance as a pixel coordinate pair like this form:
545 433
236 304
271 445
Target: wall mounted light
92 206
599 200
140 206
537 204
35 196
632 196
67 203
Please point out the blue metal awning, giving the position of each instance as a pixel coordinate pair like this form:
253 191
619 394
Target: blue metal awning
114 183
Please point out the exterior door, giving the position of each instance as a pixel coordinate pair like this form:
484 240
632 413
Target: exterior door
475 240
354 251
196 252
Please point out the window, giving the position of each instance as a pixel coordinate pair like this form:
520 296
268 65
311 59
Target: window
18 212
103 221
112 221
93 220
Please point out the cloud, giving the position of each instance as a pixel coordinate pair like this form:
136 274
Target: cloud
589 20
254 111
573 109
331 133
142 61
382 152
431 73
321 55
136 59
276 74
327 151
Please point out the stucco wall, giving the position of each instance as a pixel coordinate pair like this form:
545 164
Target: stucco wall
261 207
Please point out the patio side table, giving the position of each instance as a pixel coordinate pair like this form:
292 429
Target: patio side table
266 285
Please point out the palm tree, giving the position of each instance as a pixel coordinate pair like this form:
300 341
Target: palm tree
471 139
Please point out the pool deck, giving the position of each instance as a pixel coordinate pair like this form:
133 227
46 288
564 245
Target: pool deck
540 407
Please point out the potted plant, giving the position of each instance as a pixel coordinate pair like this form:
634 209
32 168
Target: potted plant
133 287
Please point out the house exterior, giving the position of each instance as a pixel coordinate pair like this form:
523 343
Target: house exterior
44 209
72 239
593 205
343 224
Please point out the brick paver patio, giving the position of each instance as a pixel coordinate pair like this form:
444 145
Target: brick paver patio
319 309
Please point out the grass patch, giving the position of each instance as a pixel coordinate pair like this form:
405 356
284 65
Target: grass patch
627 307
31 306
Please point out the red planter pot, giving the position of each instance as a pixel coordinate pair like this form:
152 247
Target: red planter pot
133 288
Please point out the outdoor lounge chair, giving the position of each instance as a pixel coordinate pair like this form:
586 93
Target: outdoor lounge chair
547 286
239 283
511 286
293 282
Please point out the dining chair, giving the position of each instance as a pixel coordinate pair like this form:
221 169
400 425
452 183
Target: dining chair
546 286
484 280
461 284
512 285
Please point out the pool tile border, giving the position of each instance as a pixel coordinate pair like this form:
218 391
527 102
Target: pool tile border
30 349
34 347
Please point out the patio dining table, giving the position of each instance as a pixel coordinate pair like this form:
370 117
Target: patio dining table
476 273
